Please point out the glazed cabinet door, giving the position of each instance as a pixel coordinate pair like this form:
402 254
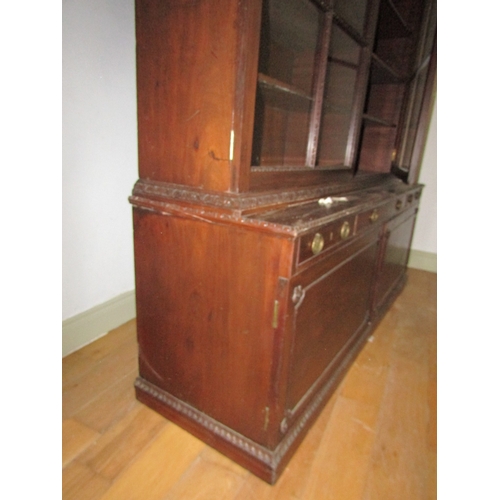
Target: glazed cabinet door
310 60
290 39
330 309
400 79
416 115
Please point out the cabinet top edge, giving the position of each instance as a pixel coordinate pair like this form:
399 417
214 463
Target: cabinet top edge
257 201
292 212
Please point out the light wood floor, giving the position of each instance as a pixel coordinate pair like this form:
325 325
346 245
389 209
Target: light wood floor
375 439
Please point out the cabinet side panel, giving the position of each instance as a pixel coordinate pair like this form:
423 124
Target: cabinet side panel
205 304
186 63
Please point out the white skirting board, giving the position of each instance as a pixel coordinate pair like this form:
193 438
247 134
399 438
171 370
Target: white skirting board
426 261
96 322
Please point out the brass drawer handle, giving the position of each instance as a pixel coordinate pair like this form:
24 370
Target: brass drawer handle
317 243
345 230
399 204
374 217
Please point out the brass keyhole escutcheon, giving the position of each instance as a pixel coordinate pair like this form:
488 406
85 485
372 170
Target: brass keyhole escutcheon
317 243
399 204
345 230
374 217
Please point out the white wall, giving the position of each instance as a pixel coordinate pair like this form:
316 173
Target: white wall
99 151
425 236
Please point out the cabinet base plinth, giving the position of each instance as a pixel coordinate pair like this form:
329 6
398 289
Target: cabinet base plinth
264 463
256 458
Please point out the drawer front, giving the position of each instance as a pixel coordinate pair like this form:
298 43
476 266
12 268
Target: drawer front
330 309
375 215
407 200
327 237
387 211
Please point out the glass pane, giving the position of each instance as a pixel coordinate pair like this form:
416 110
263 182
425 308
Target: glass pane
384 102
281 128
378 145
409 10
342 70
353 12
289 36
418 87
289 39
428 37
343 47
337 109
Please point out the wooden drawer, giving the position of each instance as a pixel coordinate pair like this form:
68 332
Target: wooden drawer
384 212
376 215
413 197
327 237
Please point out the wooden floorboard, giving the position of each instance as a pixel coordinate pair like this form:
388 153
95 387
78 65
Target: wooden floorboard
376 438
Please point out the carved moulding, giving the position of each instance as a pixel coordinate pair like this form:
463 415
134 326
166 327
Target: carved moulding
237 201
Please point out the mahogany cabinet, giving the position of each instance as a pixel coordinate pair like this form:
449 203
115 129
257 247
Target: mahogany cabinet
279 144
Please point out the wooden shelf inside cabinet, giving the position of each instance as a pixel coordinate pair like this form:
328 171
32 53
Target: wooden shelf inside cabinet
347 28
383 72
329 107
392 24
282 95
371 120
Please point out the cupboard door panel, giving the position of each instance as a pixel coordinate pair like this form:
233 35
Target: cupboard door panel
329 311
396 241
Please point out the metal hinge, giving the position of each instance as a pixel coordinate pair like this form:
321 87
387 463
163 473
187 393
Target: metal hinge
276 313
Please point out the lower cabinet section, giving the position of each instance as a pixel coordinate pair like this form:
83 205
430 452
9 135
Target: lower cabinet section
246 324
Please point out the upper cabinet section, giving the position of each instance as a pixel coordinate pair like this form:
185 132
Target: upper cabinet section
251 95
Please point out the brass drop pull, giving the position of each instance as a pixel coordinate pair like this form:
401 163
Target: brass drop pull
345 230
298 295
399 204
410 198
317 243
374 217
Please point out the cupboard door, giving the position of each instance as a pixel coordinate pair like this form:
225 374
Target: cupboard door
396 249
330 309
400 82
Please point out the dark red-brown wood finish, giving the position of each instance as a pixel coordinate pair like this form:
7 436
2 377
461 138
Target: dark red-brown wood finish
262 263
